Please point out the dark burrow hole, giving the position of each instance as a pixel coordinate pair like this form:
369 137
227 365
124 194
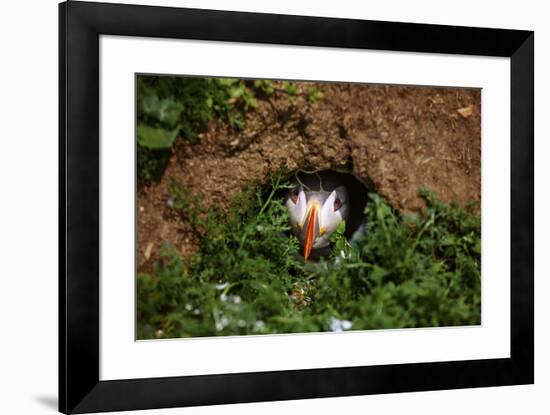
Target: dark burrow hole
326 181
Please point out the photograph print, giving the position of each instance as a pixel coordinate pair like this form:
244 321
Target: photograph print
271 207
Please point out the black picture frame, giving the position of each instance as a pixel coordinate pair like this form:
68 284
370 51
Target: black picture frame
80 26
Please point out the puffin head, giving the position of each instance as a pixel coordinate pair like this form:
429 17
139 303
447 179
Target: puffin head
315 215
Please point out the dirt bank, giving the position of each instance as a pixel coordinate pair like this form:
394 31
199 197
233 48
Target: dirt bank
395 138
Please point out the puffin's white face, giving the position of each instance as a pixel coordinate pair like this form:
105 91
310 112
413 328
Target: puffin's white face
315 215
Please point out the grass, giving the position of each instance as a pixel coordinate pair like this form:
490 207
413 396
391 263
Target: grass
248 277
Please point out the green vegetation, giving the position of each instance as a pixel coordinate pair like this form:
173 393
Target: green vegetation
248 277
169 107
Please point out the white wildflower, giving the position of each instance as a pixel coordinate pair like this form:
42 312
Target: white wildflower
259 325
222 323
346 325
335 324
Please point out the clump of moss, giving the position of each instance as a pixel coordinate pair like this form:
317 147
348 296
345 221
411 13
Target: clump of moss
249 278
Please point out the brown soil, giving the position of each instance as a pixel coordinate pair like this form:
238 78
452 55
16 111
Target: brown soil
396 139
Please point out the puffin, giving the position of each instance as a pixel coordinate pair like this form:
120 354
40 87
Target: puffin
318 202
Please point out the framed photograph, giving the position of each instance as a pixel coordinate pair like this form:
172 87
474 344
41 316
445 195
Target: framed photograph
260 207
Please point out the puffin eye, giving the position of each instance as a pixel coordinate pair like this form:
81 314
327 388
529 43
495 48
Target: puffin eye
294 196
337 203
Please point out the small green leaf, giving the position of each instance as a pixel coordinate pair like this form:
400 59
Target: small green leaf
156 138
291 89
378 273
166 111
250 102
264 86
448 240
314 95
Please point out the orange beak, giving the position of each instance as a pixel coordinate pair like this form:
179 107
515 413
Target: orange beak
310 232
